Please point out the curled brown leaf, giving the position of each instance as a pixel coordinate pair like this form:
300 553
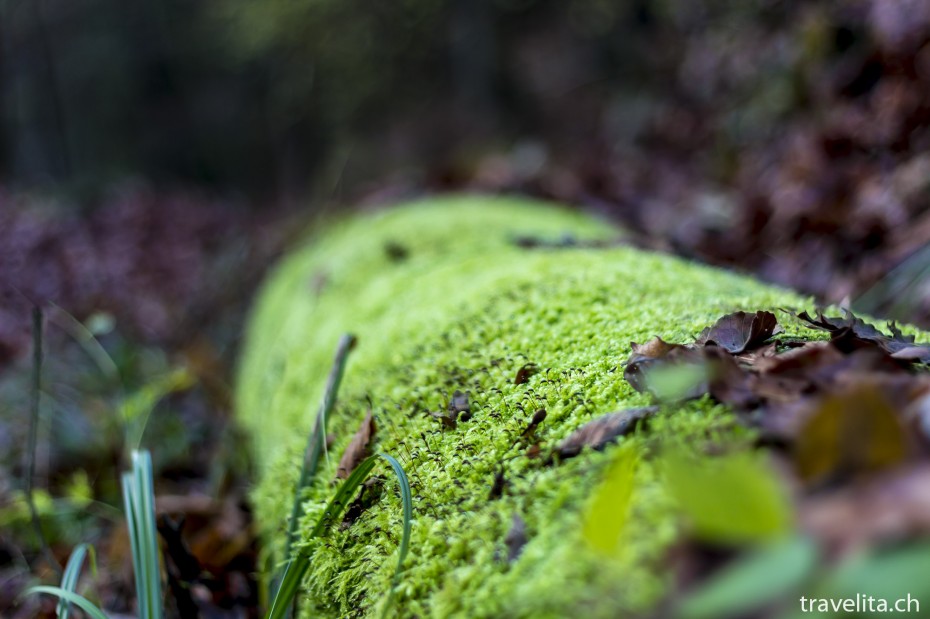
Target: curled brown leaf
740 331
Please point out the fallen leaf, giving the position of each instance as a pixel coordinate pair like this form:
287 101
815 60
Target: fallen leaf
850 432
359 447
449 420
654 354
740 331
851 332
538 417
524 373
598 433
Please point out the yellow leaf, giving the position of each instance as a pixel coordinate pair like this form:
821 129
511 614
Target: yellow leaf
610 508
731 499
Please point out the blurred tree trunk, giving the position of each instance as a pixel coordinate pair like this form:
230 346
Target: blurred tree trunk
473 56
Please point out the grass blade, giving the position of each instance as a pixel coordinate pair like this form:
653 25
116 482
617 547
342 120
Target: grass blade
297 568
407 499
139 499
317 443
73 598
69 581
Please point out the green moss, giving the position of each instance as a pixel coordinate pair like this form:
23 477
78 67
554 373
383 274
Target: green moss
464 310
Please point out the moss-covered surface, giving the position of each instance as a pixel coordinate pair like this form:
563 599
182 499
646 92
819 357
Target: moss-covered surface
464 309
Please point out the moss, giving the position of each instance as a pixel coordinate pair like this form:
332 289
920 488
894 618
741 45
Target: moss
463 308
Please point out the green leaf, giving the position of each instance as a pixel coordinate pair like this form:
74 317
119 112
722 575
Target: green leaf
139 501
407 499
732 499
78 600
889 574
764 576
608 513
72 574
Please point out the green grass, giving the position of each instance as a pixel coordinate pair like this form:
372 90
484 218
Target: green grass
298 567
139 501
72 574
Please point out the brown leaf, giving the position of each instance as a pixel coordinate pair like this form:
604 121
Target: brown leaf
538 417
358 448
655 353
598 433
524 373
851 333
851 432
740 331
449 420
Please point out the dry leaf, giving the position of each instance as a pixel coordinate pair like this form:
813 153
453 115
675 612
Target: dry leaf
740 331
358 448
598 433
852 432
524 373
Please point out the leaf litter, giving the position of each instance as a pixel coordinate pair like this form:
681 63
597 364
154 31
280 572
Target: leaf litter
848 420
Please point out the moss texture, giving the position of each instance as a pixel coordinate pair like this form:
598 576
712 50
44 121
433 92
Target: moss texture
464 309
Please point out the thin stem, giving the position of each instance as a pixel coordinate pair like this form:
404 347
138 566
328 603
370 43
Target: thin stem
34 435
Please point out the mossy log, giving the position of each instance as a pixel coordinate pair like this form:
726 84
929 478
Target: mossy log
457 294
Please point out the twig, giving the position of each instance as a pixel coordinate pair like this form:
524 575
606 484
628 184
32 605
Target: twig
33 436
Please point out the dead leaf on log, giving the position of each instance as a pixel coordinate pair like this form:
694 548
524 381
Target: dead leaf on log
657 353
740 331
358 448
538 417
524 373
598 433
851 332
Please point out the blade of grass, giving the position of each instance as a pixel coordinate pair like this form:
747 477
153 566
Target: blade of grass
139 499
407 499
69 581
78 600
88 341
35 394
297 568
316 446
